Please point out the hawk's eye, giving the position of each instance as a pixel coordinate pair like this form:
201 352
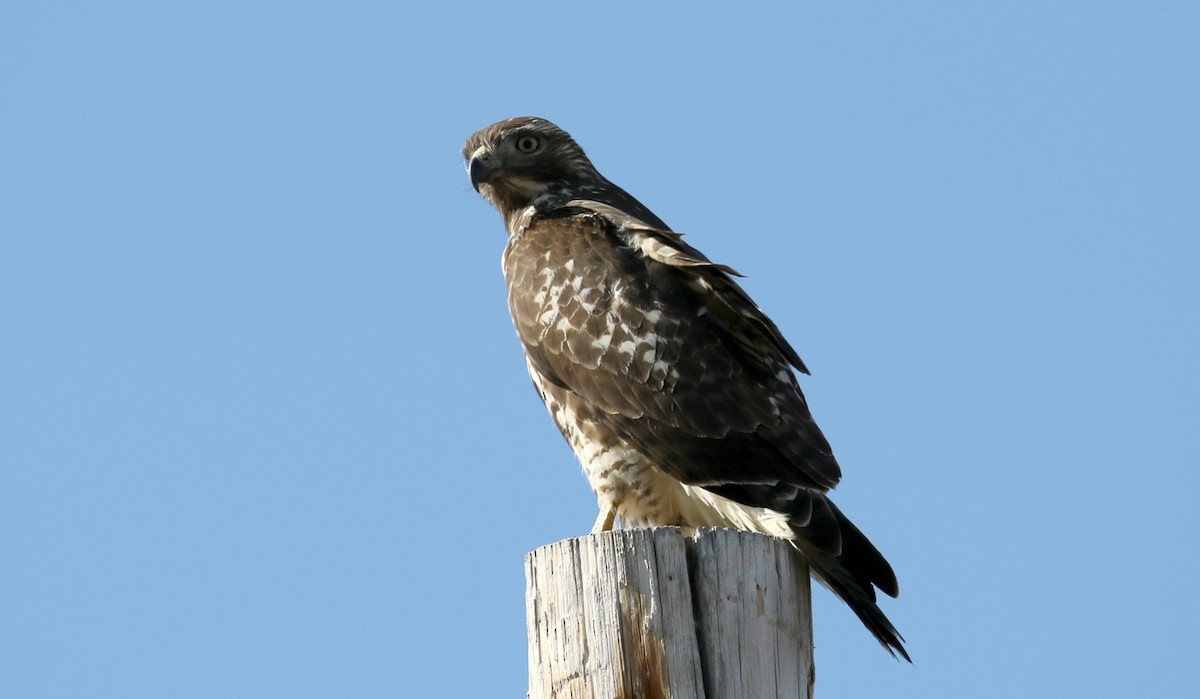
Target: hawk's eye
528 144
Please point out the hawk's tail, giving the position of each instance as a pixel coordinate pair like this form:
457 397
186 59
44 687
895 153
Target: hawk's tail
853 571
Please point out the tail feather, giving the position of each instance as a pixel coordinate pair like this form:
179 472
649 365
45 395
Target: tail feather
853 573
834 575
840 555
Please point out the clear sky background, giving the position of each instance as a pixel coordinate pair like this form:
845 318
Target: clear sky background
265 429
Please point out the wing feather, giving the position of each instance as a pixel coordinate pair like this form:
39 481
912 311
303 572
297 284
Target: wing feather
709 396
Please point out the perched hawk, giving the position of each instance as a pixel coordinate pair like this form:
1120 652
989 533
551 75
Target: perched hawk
673 388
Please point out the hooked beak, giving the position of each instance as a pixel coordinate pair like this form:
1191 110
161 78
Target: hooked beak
478 169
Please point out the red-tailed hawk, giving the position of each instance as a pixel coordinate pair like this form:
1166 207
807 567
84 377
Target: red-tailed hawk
673 388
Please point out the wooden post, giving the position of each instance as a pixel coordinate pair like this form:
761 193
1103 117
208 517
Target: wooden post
657 614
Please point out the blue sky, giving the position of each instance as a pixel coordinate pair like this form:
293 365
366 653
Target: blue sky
265 429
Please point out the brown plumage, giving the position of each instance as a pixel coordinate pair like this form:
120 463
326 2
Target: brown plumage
673 388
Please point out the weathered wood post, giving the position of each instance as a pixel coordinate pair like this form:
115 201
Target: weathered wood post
657 614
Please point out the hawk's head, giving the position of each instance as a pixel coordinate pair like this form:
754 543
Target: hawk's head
514 162
527 161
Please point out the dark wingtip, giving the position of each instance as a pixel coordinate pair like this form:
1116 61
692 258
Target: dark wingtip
874 619
853 574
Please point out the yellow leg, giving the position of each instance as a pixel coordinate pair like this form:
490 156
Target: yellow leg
604 522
